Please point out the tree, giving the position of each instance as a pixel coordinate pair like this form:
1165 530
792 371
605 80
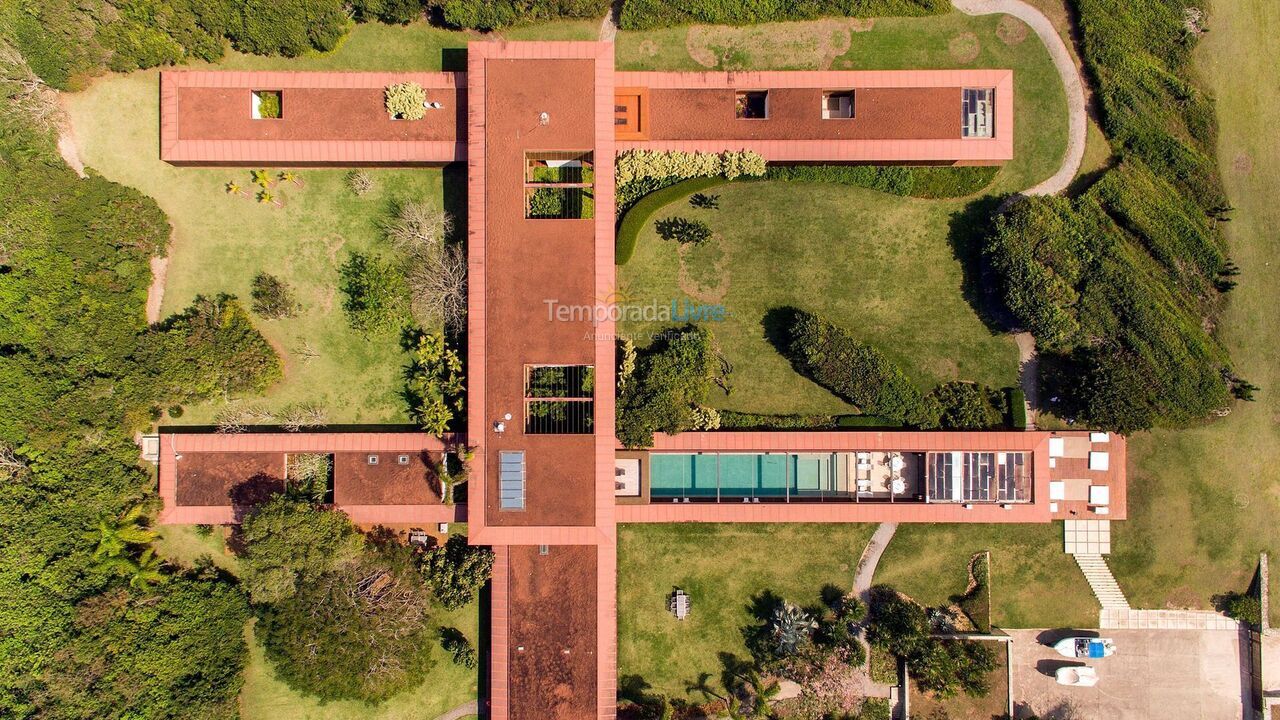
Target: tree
359 632
670 383
435 384
115 535
791 628
456 571
291 544
272 297
377 298
436 272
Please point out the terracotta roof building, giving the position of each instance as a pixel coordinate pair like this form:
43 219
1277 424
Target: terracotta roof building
539 125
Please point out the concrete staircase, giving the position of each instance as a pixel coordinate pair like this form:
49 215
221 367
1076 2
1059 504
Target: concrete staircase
1102 581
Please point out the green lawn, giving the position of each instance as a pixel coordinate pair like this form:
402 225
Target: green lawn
877 264
889 269
722 567
1033 582
221 241
1204 502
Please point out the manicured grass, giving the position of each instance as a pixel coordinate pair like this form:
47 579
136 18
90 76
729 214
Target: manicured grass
722 567
1204 502
221 241
1033 582
879 265
184 545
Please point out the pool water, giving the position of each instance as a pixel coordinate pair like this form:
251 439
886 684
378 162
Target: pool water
743 475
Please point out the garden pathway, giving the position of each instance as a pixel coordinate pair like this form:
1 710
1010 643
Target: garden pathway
1071 81
870 558
463 710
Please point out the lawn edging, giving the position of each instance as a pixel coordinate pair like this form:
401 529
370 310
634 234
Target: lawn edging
631 224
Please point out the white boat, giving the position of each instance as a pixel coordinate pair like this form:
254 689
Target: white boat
1083 647
1082 676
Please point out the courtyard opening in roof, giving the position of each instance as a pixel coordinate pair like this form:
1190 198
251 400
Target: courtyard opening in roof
558 185
837 104
752 105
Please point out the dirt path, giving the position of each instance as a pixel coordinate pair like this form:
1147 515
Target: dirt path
155 293
463 710
1029 374
1071 81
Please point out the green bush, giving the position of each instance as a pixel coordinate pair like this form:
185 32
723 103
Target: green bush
269 105
640 165
649 14
669 387
854 371
458 646
730 419
634 220
683 230
377 296
456 571
1103 280
288 27
406 101
272 297
393 12
435 386
1017 408
966 406
497 14
1245 607
866 421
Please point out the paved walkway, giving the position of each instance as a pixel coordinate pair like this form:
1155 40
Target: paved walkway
870 558
1029 374
1120 619
1071 81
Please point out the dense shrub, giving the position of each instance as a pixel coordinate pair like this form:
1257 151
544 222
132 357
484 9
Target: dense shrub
634 220
1245 607
288 27
1120 280
648 14
210 349
634 165
496 14
669 386
943 667
456 571
924 182
434 384
76 384
854 371
965 406
683 230
377 296
361 632
394 12
458 646
289 544
272 297
750 421
406 101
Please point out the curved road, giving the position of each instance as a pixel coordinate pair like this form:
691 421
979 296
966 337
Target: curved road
1071 81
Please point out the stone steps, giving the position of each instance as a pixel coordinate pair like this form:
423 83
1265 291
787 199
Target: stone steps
1103 583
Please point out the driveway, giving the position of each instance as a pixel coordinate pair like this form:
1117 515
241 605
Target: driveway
1167 674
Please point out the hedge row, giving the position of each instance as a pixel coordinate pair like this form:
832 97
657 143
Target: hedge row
66 41
922 182
733 420
649 14
496 14
633 222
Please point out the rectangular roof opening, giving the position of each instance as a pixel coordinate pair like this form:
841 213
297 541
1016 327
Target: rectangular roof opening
511 479
978 112
837 104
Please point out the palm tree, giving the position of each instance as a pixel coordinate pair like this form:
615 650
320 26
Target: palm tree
291 176
143 573
792 627
114 535
233 188
261 179
265 197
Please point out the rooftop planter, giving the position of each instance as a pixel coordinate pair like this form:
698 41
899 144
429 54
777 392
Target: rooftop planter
267 105
406 101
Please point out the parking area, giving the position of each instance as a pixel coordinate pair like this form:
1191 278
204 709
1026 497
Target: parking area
1168 674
